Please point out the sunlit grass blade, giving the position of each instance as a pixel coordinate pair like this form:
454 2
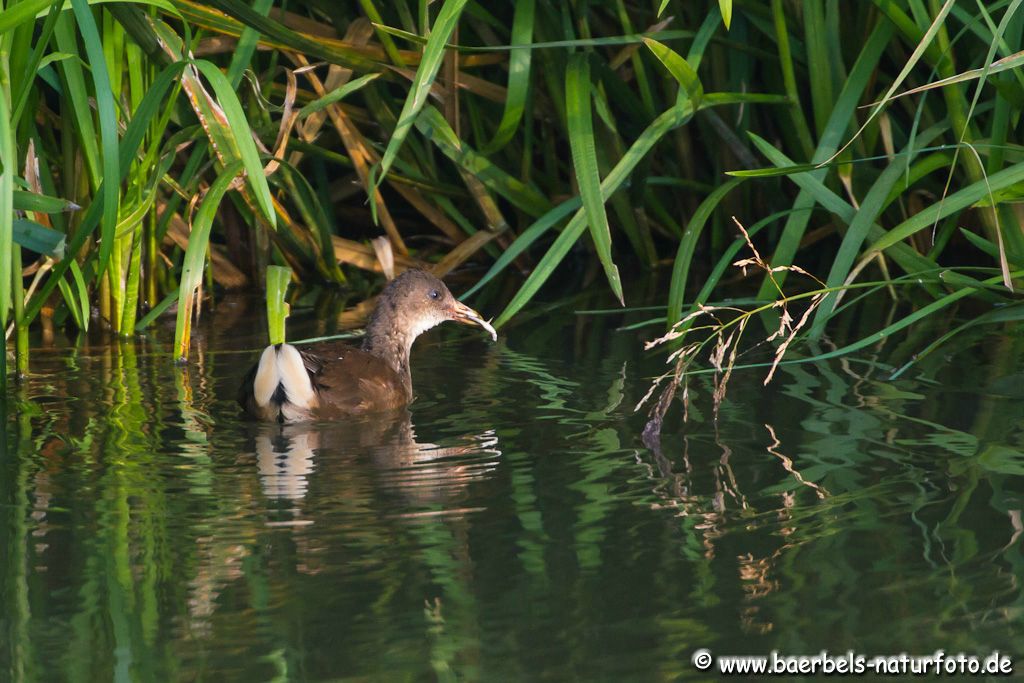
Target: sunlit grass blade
857 232
37 59
905 322
584 158
1014 61
602 41
726 8
127 149
72 304
195 257
246 47
336 95
41 203
814 190
238 15
9 164
957 201
527 238
433 53
278 279
680 70
20 13
519 62
82 290
837 125
239 132
923 46
317 221
76 96
107 115
362 155
157 311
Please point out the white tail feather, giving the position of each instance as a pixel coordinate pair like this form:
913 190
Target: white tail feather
295 378
267 377
282 367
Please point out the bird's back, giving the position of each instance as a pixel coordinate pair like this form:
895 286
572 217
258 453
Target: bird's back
334 380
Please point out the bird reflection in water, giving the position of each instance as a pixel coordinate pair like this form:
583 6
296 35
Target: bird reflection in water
379 453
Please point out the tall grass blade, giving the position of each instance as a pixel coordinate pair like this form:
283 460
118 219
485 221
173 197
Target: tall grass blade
814 190
239 131
20 13
107 114
241 14
837 125
527 238
432 124
246 46
584 159
519 61
9 163
868 212
961 199
433 53
195 257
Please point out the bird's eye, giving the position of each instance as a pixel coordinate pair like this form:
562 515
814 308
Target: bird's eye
434 294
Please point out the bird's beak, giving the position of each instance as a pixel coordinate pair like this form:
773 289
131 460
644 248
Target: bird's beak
461 313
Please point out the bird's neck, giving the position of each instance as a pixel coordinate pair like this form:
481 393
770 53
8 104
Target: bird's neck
386 340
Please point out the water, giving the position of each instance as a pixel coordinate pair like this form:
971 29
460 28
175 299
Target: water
512 526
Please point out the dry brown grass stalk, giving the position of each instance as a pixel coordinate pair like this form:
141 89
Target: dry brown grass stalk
724 335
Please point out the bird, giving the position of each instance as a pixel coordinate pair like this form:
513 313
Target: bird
332 380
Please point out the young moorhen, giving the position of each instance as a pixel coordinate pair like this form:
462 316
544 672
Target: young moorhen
333 380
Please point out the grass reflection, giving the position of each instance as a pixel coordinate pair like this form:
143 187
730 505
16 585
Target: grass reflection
151 534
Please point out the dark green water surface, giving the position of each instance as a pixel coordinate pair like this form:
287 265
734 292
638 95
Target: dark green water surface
512 526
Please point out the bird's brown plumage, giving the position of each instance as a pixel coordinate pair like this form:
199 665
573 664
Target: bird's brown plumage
347 381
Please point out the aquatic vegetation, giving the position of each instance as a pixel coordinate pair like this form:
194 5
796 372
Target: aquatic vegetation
153 153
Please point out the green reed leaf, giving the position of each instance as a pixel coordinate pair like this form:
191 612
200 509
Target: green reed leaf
38 238
433 53
668 120
726 8
680 70
518 76
957 201
584 159
688 245
195 256
107 115
433 126
278 279
337 95
41 203
21 13
239 131
8 169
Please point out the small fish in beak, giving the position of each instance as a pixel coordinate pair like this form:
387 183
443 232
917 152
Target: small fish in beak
462 313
